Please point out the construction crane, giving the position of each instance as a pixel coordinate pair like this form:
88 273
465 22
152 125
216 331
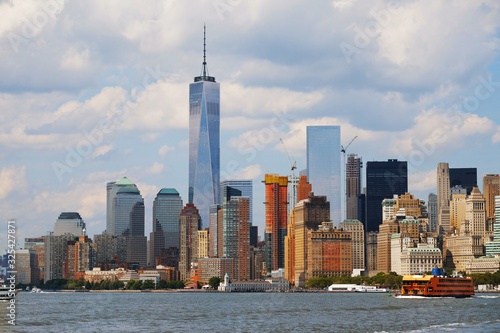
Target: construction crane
293 166
343 150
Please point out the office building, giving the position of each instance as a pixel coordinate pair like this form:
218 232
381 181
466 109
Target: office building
190 223
371 250
27 268
213 248
493 248
69 223
432 211
245 186
167 208
56 253
204 142
458 207
352 185
276 220
464 177
236 234
491 188
303 188
443 197
383 180
111 249
111 191
323 166
459 250
309 214
203 243
357 231
475 214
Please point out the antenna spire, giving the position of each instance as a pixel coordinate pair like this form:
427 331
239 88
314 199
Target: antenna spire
204 52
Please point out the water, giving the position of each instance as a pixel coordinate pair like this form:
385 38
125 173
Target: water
250 312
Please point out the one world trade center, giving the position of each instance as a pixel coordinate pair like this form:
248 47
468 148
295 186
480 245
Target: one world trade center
204 139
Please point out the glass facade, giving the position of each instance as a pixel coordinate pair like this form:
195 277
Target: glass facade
167 208
246 188
204 147
128 212
383 180
323 166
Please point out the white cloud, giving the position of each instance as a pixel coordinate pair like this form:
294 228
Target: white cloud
422 180
102 150
156 168
13 179
75 60
164 150
249 172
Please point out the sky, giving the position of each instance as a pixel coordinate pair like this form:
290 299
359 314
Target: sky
92 91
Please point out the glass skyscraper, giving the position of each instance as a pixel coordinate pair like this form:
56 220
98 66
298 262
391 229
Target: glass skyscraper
243 185
204 146
323 166
167 208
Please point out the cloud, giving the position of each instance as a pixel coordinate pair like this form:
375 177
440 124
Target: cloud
163 150
249 172
156 168
75 59
13 179
102 150
422 180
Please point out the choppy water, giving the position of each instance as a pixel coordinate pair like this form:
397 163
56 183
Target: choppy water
250 312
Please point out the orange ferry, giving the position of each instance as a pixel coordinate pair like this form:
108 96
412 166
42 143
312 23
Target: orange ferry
437 285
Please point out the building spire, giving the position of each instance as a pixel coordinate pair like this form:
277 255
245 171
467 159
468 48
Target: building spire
204 52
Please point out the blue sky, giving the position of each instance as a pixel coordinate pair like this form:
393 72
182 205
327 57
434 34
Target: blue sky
93 91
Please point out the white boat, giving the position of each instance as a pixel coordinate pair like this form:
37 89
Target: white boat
6 293
356 288
36 290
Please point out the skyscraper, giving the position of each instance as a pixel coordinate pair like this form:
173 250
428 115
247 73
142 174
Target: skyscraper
276 220
491 188
323 165
111 190
243 185
383 180
352 185
204 137
443 197
167 208
189 222
69 223
432 210
465 177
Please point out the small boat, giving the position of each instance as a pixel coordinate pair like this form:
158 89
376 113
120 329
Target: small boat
356 288
36 290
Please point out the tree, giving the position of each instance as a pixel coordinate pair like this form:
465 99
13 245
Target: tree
88 286
148 284
162 284
137 285
130 284
214 282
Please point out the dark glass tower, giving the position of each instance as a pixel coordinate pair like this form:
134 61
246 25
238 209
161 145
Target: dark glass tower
465 177
383 180
204 138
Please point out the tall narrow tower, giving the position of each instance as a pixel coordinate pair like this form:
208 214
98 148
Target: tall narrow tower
443 198
204 138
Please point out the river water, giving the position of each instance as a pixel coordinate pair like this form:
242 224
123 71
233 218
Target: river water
249 312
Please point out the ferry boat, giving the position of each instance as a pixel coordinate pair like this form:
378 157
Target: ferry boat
436 285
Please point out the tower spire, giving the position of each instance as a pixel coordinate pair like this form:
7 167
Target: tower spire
204 52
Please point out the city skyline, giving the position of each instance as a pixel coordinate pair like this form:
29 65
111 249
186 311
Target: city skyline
59 152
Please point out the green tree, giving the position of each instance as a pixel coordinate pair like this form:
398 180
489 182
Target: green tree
214 282
88 286
137 285
130 284
148 284
162 284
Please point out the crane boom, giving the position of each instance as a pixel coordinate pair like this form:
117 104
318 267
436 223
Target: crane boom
342 149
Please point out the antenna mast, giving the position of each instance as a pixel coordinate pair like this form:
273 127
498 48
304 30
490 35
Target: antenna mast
204 51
